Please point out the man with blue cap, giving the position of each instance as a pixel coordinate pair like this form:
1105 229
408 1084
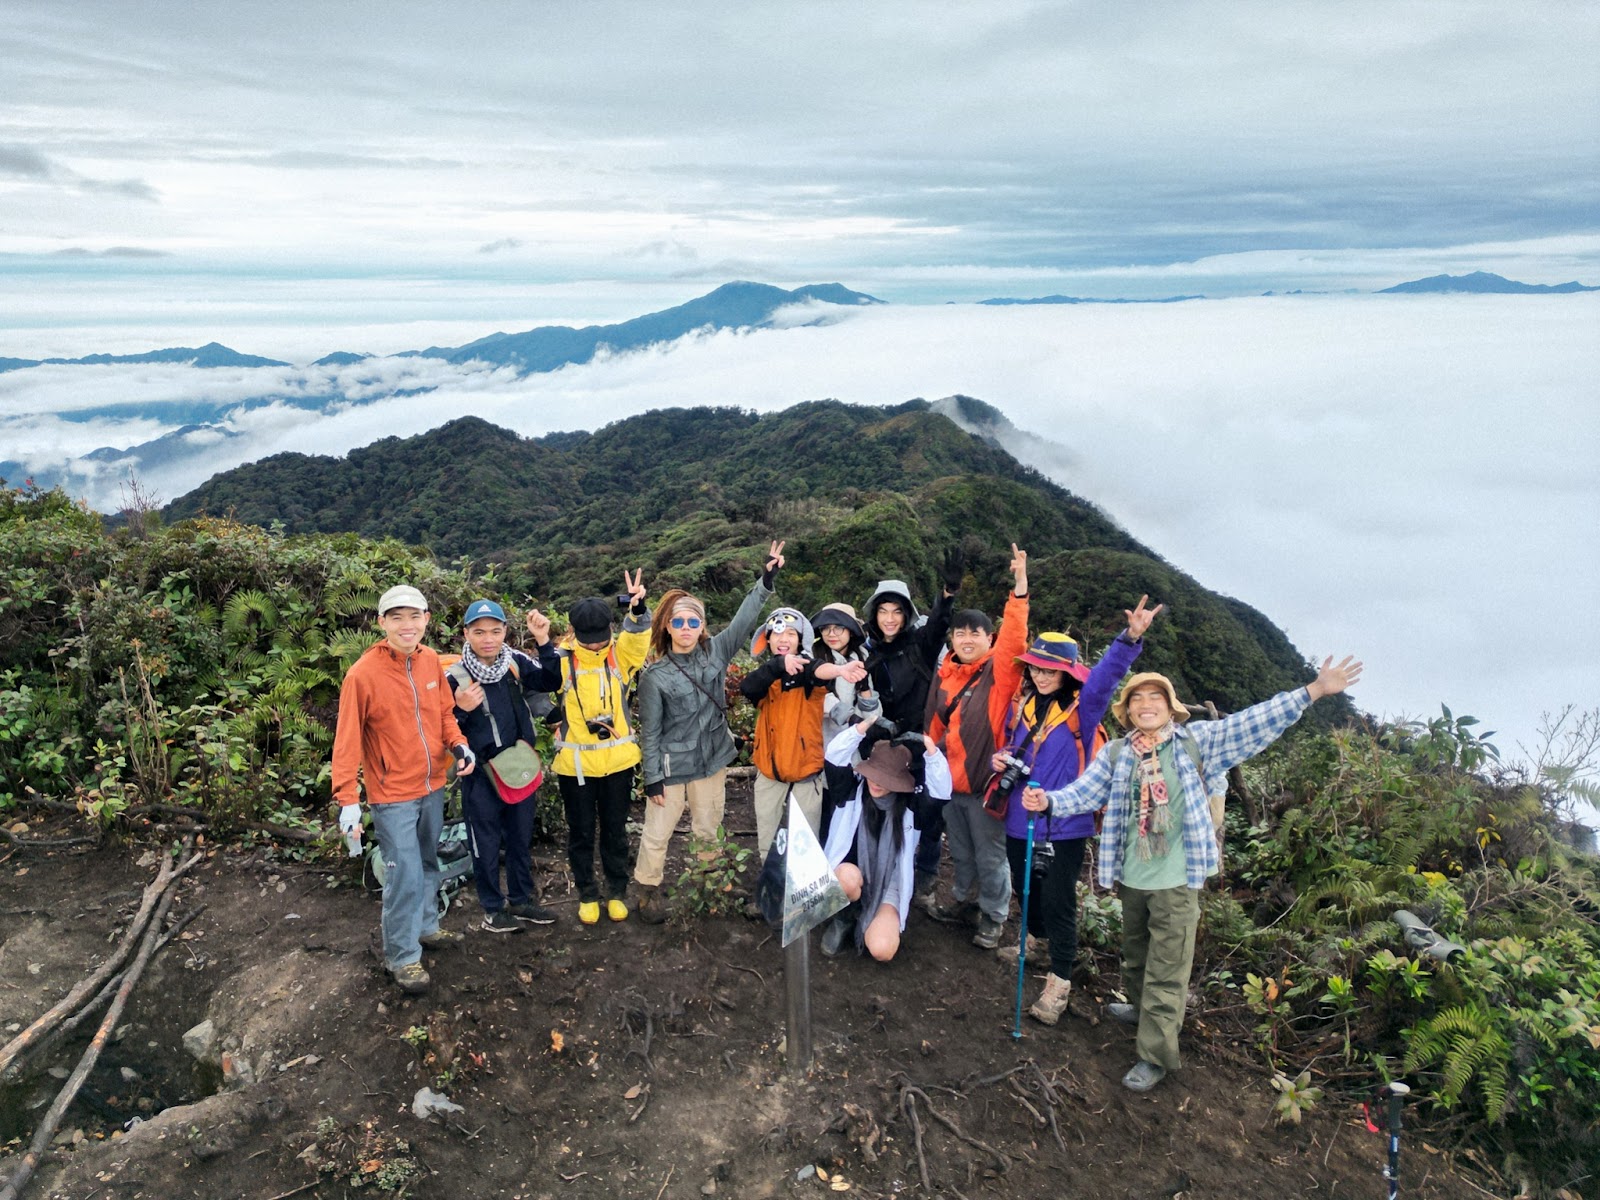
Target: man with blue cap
492 685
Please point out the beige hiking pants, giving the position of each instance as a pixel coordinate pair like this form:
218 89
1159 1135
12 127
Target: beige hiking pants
704 799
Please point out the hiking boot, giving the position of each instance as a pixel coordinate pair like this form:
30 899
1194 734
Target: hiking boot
925 896
500 922
441 939
1052 1002
616 909
651 905
589 912
1143 1076
839 933
957 912
1126 1014
531 912
751 910
988 935
1037 946
411 979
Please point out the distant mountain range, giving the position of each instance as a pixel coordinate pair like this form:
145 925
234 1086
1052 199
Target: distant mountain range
1085 300
212 354
1485 283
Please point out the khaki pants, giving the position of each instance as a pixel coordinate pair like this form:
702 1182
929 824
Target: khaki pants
1157 958
703 797
770 808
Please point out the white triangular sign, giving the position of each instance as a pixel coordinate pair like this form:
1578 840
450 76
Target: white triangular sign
811 894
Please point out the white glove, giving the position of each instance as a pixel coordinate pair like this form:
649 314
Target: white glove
350 827
466 760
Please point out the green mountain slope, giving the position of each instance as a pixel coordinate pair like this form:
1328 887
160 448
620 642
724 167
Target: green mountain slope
692 494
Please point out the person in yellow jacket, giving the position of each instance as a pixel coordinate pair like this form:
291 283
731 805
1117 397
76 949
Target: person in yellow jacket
596 749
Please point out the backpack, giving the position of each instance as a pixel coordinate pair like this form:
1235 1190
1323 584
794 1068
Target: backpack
455 863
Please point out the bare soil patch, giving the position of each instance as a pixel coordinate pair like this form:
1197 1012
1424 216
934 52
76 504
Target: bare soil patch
610 1061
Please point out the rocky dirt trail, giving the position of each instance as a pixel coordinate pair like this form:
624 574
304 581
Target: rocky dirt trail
264 1055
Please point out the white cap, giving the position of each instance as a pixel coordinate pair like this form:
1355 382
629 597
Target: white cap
402 596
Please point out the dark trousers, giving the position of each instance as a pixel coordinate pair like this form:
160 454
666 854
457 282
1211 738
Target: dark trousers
1052 899
930 843
493 826
601 799
838 787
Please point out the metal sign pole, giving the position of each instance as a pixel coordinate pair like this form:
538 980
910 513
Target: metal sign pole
797 1006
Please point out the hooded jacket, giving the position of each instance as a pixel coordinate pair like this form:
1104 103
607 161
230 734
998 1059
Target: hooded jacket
683 700
977 719
902 670
596 685
395 727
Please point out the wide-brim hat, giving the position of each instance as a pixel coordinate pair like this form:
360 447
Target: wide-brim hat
891 589
781 619
1055 652
841 615
1119 709
888 766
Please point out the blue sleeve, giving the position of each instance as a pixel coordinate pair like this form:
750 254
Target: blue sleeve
1227 743
1085 794
1102 683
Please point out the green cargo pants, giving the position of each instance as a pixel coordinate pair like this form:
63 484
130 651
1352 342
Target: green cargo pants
1157 958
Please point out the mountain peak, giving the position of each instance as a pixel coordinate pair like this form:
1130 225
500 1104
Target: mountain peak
1483 283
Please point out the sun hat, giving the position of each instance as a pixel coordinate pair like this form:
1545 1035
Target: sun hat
1055 652
888 766
1119 709
781 619
480 609
840 614
402 595
590 619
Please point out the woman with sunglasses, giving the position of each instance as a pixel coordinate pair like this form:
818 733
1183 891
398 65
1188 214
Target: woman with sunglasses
683 724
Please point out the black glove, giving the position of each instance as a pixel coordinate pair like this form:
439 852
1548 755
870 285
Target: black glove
913 740
655 789
880 731
953 569
769 572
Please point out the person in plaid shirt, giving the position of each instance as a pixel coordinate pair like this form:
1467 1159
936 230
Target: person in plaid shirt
1158 841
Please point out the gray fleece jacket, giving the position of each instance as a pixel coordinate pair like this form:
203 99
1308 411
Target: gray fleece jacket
683 700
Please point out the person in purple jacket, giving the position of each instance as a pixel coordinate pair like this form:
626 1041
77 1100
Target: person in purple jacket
1053 732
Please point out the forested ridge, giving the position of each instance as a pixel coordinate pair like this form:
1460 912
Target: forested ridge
860 493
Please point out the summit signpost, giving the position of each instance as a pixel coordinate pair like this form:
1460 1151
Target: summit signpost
811 895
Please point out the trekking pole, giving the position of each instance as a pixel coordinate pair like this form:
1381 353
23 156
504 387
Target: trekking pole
1397 1095
1022 945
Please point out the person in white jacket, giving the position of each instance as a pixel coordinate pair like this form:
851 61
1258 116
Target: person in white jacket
872 839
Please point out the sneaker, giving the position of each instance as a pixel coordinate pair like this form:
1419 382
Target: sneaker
589 912
531 912
411 979
441 939
957 912
1052 1002
1126 1014
1143 1076
500 922
616 909
988 935
1037 948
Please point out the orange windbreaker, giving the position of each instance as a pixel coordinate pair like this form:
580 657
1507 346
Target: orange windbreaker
396 727
977 724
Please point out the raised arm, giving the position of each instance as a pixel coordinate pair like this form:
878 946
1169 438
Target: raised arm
743 626
1230 741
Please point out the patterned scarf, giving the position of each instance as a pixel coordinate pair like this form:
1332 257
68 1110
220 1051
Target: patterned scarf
483 672
1155 813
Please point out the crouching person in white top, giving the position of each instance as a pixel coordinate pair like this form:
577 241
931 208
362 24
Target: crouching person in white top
872 838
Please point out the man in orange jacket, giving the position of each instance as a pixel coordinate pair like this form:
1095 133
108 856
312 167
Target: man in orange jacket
967 709
395 735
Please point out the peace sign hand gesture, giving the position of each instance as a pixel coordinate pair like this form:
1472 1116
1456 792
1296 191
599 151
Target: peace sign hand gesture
774 562
1139 618
634 586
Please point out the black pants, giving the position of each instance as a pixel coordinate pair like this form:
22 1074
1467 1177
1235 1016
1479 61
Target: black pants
1052 900
605 797
493 826
838 787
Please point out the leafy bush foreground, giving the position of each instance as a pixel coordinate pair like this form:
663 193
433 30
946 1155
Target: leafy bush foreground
197 666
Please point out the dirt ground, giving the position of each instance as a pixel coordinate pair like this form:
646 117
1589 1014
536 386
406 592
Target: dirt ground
608 1061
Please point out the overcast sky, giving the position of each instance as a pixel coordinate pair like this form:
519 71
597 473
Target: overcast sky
581 161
